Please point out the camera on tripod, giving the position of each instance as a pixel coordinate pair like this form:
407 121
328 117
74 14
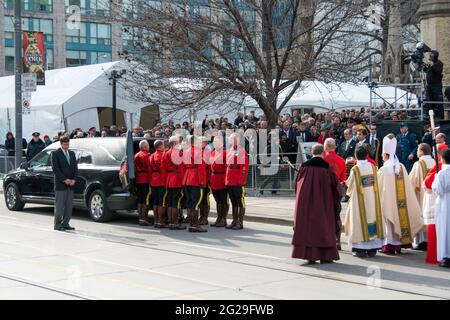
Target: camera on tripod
417 57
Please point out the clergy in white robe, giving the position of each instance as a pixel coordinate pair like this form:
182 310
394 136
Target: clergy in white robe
363 222
441 188
417 176
399 205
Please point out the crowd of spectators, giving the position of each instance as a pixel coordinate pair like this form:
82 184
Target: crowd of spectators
307 127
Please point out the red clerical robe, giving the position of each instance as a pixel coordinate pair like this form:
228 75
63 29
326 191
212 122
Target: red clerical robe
317 212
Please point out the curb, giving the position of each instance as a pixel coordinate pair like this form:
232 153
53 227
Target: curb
259 219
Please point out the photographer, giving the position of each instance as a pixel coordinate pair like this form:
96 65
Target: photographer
434 83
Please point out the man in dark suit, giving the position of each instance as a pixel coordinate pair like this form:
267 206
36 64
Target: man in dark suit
347 147
289 144
361 137
407 146
375 145
65 168
303 134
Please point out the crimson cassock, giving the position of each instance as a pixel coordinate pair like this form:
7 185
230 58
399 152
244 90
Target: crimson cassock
317 212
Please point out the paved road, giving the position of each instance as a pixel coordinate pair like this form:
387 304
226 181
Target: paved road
121 260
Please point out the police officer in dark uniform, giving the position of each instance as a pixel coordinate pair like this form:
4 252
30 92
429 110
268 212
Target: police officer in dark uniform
407 146
35 146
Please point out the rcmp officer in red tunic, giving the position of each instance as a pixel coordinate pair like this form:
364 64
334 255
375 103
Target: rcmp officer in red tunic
194 181
235 180
142 166
205 204
174 168
158 183
217 182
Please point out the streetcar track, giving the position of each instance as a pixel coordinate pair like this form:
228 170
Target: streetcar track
44 286
314 275
90 235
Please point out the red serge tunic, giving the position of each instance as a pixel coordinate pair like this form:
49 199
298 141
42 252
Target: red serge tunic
174 172
196 170
237 167
142 167
218 170
207 159
338 165
158 174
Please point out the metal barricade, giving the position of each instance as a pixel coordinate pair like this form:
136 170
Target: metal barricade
7 163
275 178
281 181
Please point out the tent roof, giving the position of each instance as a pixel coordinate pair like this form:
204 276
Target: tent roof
60 85
317 94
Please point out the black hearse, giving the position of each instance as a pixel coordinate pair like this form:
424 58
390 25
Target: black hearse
105 183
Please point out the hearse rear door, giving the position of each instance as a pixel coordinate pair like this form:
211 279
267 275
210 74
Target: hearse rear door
127 172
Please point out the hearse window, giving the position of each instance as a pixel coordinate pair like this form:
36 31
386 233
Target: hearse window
41 160
85 158
109 155
100 152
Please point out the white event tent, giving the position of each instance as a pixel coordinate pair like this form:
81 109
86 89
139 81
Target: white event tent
68 100
319 95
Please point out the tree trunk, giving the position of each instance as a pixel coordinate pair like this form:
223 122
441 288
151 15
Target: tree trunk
272 119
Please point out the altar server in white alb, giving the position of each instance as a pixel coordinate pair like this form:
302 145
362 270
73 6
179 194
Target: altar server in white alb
441 188
399 205
363 220
417 176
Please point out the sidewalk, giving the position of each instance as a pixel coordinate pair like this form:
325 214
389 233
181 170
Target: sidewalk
266 209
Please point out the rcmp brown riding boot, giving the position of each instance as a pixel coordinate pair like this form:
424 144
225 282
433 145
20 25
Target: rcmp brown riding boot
192 217
240 224
176 224
219 216
162 217
226 208
204 213
223 217
156 214
139 211
145 219
169 214
180 216
144 212
195 227
235 218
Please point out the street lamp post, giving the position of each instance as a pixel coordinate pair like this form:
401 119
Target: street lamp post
114 103
113 77
18 80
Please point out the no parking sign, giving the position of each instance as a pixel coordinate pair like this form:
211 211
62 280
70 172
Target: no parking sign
26 106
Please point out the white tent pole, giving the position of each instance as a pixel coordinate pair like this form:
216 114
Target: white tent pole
64 120
9 119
